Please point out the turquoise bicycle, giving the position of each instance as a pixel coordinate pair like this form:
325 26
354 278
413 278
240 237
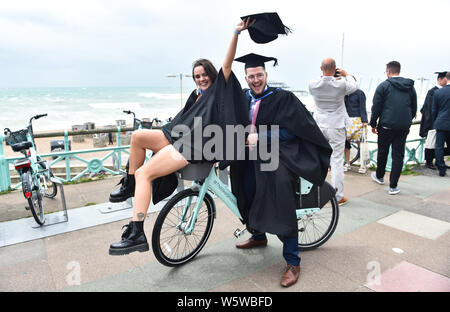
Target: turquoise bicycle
37 179
184 224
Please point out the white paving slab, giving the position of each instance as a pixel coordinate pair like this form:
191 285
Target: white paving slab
416 224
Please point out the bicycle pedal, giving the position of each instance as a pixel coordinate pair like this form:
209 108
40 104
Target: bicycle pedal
238 232
27 208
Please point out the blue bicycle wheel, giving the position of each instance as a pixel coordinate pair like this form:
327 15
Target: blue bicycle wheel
171 242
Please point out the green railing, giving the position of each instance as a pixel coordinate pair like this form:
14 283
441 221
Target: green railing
414 153
93 165
96 165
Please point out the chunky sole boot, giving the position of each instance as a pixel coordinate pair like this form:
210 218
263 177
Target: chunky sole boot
133 239
126 190
119 199
127 250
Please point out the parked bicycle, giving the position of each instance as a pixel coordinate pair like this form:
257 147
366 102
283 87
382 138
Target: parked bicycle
142 124
34 172
356 149
184 224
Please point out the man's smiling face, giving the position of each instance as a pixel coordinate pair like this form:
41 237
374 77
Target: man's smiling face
256 79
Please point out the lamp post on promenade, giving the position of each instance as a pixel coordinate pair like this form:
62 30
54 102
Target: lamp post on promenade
181 85
421 79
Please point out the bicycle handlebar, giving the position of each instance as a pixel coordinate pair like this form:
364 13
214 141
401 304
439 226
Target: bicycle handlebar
37 117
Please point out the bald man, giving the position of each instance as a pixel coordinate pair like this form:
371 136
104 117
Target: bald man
331 116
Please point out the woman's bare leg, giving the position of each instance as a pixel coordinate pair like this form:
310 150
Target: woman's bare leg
164 162
141 140
347 156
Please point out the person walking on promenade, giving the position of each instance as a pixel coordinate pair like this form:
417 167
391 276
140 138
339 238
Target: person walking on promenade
393 109
355 103
426 122
155 179
440 113
331 116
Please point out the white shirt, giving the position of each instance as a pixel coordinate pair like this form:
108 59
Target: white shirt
329 93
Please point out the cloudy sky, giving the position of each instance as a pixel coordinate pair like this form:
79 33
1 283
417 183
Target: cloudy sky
66 43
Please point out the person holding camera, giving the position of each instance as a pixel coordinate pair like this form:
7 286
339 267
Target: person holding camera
331 116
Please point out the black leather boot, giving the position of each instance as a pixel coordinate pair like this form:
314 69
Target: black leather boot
126 189
133 239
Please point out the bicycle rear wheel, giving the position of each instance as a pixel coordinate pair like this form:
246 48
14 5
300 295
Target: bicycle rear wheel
171 245
316 228
35 201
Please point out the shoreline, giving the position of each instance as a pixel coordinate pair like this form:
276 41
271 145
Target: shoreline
43 144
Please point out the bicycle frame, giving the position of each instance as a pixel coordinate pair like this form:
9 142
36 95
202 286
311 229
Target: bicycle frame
45 173
213 184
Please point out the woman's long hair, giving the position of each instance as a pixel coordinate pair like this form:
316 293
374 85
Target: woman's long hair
209 69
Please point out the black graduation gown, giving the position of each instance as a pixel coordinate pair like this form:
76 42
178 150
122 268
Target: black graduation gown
307 155
426 122
223 103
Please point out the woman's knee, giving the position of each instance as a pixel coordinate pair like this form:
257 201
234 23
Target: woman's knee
136 137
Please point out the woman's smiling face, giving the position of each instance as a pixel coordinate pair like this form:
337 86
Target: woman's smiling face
201 78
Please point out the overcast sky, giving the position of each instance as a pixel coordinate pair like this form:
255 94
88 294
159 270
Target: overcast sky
65 43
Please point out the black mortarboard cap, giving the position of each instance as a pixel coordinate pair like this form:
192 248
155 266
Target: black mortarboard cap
255 60
266 28
441 74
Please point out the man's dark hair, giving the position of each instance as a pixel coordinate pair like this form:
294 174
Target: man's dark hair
209 69
447 75
394 67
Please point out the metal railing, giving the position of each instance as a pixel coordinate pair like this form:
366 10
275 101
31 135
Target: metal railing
96 165
92 166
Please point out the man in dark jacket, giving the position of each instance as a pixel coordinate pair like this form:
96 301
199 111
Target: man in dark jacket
440 113
394 106
426 122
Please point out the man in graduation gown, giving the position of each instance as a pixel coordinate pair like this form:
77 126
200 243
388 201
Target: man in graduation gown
426 122
267 198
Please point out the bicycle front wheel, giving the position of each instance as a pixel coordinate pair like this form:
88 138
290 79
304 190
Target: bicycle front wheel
49 187
35 201
171 242
316 228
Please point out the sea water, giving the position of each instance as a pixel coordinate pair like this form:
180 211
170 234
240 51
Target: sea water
67 107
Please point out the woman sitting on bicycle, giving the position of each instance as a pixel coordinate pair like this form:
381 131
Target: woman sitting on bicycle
166 158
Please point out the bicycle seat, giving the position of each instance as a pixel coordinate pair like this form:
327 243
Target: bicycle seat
195 171
21 146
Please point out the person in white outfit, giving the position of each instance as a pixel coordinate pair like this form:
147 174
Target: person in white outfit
331 116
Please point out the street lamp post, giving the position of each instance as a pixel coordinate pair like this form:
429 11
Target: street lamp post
421 79
181 85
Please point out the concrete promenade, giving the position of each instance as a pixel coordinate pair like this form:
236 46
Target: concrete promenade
382 243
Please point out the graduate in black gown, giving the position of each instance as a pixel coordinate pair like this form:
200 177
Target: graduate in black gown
426 122
220 102
267 198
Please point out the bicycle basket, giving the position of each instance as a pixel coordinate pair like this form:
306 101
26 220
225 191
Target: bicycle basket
17 137
146 124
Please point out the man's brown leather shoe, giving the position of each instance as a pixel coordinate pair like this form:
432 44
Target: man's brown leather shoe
251 243
290 276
